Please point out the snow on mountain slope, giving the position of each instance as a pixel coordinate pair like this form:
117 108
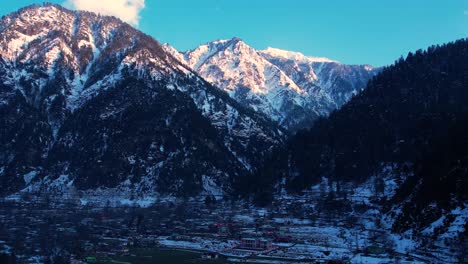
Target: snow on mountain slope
295 56
59 59
91 100
239 64
287 87
247 77
338 81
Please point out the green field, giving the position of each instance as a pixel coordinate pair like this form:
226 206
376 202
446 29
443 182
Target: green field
159 256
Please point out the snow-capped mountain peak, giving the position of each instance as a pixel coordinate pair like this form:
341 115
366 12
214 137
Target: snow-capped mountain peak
230 63
288 87
292 55
78 46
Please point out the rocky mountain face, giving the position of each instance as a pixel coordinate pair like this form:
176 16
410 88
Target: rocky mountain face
288 87
88 102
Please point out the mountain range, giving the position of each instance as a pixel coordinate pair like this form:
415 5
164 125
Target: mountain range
89 105
88 102
287 87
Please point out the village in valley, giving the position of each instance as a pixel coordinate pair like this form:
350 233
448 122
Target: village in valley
302 229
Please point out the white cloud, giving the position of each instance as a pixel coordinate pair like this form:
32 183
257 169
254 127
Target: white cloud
127 10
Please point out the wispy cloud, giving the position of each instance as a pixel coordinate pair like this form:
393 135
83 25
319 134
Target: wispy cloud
127 10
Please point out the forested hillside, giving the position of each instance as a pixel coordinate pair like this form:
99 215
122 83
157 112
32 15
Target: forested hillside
413 114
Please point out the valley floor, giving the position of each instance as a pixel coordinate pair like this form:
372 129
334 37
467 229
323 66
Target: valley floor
34 232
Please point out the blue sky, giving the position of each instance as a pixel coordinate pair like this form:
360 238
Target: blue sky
354 32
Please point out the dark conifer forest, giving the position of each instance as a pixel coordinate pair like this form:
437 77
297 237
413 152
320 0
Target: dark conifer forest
413 114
